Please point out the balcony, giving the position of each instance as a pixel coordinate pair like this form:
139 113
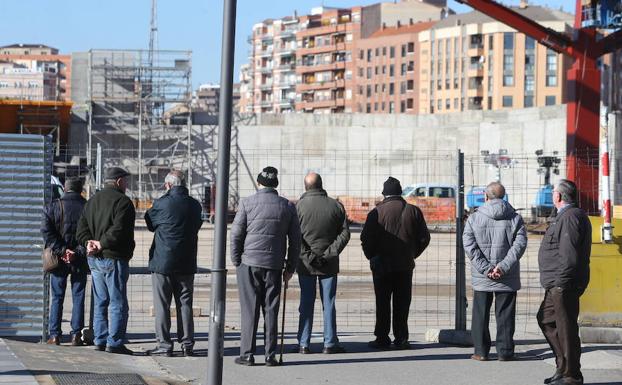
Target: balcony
266 103
283 85
265 86
310 66
265 53
286 67
324 103
265 70
339 83
287 34
287 102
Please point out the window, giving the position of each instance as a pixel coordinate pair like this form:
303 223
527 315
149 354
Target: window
377 51
403 50
410 85
439 104
360 90
507 101
368 90
383 105
391 88
490 41
447 104
455 103
530 43
410 104
384 70
402 106
550 100
376 88
411 66
447 83
551 80
368 72
442 192
508 41
376 70
508 63
528 100
384 53
439 85
402 88
361 54
369 55
420 192
368 108
361 72
391 107
391 52
551 61
391 70
403 71
376 106
508 80
411 47
529 83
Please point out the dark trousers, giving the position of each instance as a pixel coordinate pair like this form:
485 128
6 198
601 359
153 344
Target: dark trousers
557 318
58 284
259 288
180 287
505 315
396 286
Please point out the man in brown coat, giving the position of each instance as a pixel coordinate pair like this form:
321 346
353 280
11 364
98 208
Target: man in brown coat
395 233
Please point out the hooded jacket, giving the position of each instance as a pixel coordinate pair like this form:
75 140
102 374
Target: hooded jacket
495 235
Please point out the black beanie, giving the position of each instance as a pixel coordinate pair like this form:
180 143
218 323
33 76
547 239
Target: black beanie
392 187
268 177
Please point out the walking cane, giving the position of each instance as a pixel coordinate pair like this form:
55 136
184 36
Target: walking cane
283 320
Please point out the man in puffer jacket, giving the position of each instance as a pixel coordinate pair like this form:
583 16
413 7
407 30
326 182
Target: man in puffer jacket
494 239
263 228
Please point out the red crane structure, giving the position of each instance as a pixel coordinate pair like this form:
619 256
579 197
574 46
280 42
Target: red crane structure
585 47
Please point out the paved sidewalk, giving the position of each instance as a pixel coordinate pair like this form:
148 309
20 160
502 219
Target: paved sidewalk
426 364
12 371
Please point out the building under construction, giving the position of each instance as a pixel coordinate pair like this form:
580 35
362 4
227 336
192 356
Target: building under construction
129 93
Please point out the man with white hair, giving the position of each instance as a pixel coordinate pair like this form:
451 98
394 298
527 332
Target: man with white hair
175 219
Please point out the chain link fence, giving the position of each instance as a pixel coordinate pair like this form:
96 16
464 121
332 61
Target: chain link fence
355 178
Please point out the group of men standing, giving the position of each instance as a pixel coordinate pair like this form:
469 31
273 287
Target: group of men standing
271 238
99 235
311 234
495 239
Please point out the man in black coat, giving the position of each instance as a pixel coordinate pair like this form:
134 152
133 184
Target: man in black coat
175 219
60 222
325 233
395 233
564 261
106 228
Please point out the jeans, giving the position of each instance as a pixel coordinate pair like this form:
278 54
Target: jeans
58 284
110 298
328 290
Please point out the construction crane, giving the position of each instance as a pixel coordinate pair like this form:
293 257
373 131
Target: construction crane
585 46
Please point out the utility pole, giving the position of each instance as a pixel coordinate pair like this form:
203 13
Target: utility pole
219 272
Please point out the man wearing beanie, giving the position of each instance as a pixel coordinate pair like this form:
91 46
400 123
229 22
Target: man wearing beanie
395 233
263 228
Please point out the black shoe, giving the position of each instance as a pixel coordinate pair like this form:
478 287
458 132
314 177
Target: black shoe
379 344
334 349
160 352
271 361
245 360
511 357
100 348
121 349
188 351
304 350
554 377
401 345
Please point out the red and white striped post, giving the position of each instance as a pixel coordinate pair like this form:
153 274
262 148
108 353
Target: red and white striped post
606 230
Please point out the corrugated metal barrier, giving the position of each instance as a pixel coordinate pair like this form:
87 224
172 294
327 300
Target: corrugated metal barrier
25 169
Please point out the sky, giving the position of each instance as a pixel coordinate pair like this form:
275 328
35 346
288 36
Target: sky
196 25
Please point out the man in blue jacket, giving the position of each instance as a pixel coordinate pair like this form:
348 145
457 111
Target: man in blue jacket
60 223
264 226
495 239
175 219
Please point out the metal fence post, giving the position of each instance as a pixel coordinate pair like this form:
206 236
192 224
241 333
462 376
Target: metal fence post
461 301
219 273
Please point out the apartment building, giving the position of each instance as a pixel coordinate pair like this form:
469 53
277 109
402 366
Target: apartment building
472 62
387 70
324 66
22 83
41 59
270 79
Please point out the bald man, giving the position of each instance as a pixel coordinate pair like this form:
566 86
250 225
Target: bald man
325 234
495 239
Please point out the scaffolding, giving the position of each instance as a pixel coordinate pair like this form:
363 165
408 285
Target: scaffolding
139 112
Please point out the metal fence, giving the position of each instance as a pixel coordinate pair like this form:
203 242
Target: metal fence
25 168
356 178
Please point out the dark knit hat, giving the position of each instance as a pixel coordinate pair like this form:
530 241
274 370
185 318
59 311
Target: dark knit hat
392 186
268 177
114 173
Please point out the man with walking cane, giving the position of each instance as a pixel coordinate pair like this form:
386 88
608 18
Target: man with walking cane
263 228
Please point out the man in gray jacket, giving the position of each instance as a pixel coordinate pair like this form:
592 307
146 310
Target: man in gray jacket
494 239
325 234
262 229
